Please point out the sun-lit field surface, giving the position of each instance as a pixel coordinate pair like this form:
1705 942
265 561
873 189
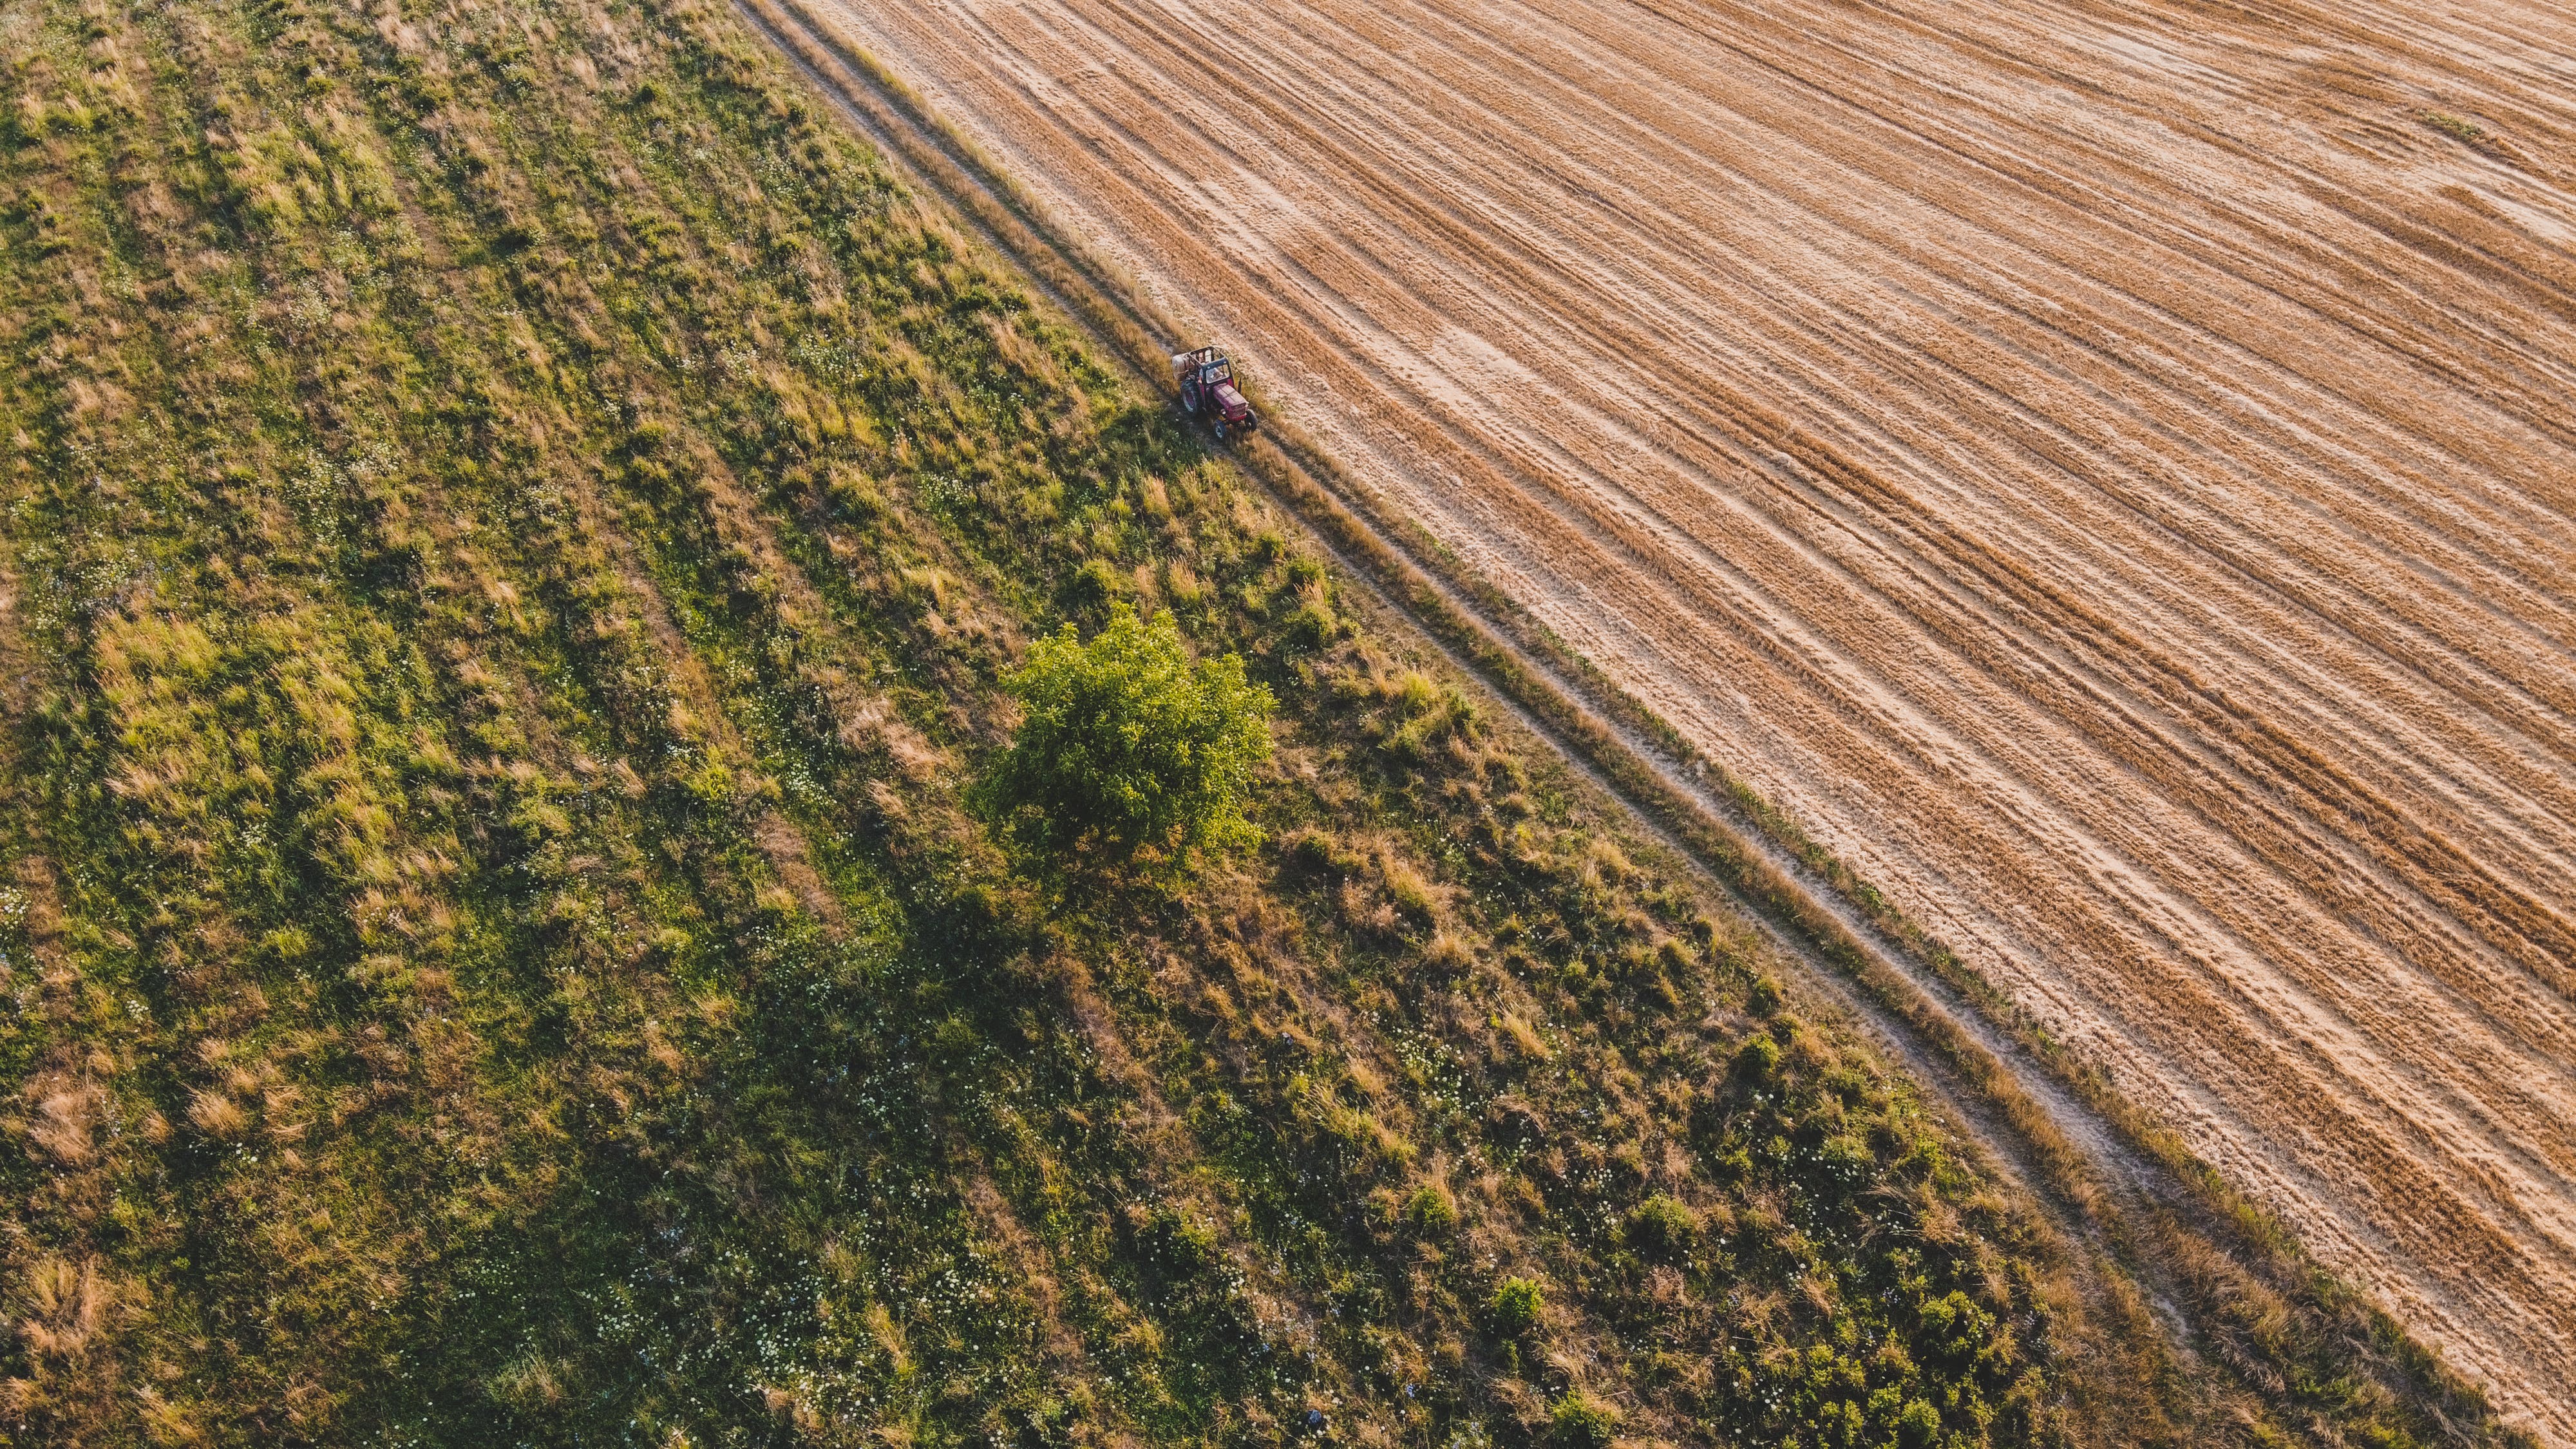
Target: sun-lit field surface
2107 471
517 924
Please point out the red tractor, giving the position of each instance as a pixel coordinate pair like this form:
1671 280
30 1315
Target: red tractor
1208 391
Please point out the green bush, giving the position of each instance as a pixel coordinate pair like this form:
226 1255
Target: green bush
1758 1060
1580 1421
1663 1225
1431 1210
1516 1305
1128 745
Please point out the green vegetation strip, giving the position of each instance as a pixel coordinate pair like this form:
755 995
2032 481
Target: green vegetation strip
512 533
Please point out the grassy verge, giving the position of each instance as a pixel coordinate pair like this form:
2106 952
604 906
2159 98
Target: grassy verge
509 523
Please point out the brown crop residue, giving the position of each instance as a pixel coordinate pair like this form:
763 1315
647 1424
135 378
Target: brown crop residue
2106 470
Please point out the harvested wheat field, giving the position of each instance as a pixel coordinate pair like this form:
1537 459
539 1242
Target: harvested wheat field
2107 471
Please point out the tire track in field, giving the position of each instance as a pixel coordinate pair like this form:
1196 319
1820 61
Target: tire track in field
2106 471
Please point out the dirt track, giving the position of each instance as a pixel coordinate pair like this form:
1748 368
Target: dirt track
2110 473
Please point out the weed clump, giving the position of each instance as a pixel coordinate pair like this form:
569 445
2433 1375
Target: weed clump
1431 1210
1663 1225
1579 1421
2458 128
1515 1307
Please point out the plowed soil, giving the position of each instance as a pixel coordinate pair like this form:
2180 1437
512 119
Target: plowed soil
2109 471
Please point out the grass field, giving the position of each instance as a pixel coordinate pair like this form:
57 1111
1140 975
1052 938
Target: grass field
510 531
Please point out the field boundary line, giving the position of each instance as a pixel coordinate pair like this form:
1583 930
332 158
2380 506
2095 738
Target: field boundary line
2088 1143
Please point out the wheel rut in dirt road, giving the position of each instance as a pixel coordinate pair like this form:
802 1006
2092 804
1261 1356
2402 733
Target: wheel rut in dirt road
2104 475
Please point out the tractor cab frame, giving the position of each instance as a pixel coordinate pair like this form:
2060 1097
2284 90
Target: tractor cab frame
1209 393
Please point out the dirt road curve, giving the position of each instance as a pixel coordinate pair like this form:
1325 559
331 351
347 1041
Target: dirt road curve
2110 471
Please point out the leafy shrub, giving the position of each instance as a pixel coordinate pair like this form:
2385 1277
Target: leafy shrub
1758 1060
1431 1210
1129 745
1663 1225
1580 1421
1918 1426
1956 1328
1515 1306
